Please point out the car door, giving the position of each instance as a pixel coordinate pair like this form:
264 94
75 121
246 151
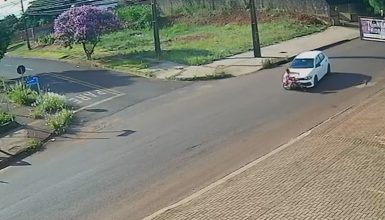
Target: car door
324 64
318 67
322 67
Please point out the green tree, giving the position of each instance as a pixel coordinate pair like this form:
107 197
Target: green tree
11 22
84 25
377 5
5 38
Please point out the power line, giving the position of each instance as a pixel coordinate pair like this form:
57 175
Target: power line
53 4
57 4
10 4
59 11
65 7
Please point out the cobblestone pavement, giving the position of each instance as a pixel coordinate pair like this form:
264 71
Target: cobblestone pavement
337 172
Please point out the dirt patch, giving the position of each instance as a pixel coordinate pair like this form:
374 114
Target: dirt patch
242 17
235 17
309 19
219 18
197 37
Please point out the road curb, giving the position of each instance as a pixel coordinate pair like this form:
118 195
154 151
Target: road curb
28 151
337 43
275 63
289 59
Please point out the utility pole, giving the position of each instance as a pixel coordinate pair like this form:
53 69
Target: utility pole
254 29
155 26
25 26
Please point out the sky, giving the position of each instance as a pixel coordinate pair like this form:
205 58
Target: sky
8 7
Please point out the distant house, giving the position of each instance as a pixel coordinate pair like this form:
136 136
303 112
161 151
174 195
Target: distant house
106 4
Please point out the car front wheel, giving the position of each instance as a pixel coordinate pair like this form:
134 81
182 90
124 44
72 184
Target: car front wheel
315 82
329 69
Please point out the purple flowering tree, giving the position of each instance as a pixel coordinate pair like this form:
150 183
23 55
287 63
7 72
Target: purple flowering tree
84 25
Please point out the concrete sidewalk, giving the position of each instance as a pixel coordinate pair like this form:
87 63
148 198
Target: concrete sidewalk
20 141
336 171
245 63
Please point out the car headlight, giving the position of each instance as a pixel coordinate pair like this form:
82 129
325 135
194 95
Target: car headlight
308 77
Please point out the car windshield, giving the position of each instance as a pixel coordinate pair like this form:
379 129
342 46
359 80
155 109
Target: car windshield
302 63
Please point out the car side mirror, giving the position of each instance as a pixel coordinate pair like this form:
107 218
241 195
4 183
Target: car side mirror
317 65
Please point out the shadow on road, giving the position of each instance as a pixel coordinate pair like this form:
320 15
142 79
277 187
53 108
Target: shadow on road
71 81
336 81
358 57
74 134
103 78
15 47
96 110
82 80
12 160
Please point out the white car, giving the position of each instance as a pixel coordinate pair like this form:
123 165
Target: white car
309 67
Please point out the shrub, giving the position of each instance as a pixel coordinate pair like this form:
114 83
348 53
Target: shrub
5 118
194 10
268 63
46 40
34 144
274 62
60 121
50 103
3 85
38 113
22 95
136 17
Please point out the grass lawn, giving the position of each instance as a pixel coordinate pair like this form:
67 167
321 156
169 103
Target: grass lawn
189 44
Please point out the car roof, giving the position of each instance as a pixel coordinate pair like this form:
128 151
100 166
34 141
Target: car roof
308 54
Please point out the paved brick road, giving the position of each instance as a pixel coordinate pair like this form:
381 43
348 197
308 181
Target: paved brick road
337 172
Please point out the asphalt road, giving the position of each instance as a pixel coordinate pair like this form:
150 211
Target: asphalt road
146 156
87 88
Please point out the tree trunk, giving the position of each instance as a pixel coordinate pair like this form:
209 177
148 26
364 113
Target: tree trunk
89 51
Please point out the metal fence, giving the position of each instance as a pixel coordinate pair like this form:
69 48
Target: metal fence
33 33
315 7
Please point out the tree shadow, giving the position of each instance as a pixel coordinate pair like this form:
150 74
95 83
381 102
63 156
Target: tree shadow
15 47
119 133
81 81
85 80
69 136
96 110
358 57
336 81
13 160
